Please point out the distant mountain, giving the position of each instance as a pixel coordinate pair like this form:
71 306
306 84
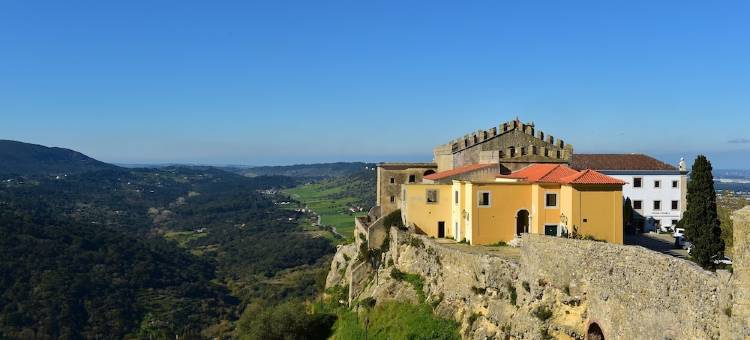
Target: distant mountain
18 158
309 171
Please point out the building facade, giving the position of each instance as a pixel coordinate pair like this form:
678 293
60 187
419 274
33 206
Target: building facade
390 177
548 199
657 190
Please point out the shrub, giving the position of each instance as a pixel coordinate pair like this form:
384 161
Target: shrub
526 286
511 292
473 317
393 219
566 289
478 291
542 313
414 279
416 242
728 311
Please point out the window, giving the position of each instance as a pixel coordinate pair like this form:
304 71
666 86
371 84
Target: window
393 199
674 184
637 205
393 180
657 205
657 184
412 178
455 197
675 205
550 229
550 200
512 151
637 182
674 222
534 150
432 196
484 199
523 151
559 155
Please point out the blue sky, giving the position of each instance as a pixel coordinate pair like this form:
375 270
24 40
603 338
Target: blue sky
282 82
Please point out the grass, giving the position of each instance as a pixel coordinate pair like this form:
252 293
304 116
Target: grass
415 280
333 211
184 237
395 320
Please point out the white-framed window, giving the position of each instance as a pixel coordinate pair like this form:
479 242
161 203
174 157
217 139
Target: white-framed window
550 200
657 184
675 184
657 205
675 205
637 204
484 199
455 197
637 182
431 196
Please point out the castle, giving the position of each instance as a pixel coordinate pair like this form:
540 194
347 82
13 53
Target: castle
493 185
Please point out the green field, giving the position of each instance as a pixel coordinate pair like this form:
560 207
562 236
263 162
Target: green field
326 200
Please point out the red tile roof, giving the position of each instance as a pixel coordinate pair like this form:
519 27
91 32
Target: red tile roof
557 173
618 162
591 177
458 171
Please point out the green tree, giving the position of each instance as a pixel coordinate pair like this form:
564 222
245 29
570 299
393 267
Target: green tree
627 216
285 321
701 221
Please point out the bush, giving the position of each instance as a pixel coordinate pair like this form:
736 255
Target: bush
542 313
288 320
393 220
526 286
511 292
414 279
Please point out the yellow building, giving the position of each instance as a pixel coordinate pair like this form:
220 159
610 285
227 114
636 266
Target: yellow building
482 207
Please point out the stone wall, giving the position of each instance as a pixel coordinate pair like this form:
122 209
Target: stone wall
629 292
632 292
741 274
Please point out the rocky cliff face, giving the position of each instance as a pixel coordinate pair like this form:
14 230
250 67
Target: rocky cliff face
559 288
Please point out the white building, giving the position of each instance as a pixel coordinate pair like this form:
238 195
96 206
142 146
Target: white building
657 190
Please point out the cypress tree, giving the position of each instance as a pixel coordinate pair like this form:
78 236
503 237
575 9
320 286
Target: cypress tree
701 221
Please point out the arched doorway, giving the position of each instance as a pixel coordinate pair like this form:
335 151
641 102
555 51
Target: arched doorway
595 332
522 221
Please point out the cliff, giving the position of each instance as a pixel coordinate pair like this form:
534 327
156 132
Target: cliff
550 287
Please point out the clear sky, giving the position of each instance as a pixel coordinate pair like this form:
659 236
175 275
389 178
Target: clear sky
280 82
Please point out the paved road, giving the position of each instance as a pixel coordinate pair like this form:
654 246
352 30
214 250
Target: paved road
663 243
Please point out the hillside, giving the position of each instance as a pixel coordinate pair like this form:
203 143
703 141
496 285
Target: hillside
337 200
149 253
18 158
307 171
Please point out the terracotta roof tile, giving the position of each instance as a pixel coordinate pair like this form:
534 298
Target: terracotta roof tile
458 171
591 177
618 162
556 173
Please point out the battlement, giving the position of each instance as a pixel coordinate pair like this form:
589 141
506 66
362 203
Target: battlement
480 136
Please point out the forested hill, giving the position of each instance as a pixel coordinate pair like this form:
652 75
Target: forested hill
148 253
308 171
18 158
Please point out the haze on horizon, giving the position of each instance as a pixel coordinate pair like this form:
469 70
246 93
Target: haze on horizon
261 83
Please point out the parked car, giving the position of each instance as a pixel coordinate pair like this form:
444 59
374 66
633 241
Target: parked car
721 259
678 232
666 228
682 242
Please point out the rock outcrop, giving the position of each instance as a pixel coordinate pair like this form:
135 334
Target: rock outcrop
555 287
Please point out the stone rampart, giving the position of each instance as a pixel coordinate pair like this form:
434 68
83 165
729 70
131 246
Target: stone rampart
632 292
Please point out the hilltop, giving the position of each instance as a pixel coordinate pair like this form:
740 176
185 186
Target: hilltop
19 158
